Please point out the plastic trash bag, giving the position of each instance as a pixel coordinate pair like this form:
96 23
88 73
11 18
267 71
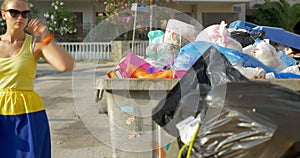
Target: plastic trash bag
235 56
190 53
246 38
239 24
266 53
180 33
239 117
155 36
162 62
219 35
189 85
157 50
161 53
249 72
289 61
275 34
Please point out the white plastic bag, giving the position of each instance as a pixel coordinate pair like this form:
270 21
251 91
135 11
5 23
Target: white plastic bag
179 33
265 53
219 35
249 72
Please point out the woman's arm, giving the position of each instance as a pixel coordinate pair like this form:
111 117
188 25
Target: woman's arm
58 57
55 55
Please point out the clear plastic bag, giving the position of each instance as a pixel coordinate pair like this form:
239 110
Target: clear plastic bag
180 33
266 53
156 50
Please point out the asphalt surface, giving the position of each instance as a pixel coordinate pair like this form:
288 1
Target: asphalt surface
63 93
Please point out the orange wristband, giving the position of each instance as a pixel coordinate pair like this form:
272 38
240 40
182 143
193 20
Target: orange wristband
48 39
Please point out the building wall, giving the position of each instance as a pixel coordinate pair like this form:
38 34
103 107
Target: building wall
201 8
186 8
87 10
198 10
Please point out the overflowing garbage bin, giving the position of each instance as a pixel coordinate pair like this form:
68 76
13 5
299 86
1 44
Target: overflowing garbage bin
239 116
207 91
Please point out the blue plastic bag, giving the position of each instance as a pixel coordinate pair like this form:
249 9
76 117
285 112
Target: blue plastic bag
190 53
289 61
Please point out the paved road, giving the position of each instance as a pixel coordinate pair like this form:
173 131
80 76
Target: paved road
62 94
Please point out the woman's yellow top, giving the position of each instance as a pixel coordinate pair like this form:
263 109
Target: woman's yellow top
17 74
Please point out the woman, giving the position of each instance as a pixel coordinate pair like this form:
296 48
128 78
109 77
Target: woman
24 128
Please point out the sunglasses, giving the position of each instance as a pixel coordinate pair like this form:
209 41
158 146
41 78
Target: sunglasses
16 13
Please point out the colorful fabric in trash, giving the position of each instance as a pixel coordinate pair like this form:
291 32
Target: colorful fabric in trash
133 66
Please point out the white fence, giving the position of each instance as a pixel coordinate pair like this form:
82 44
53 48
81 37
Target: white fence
88 50
139 47
100 51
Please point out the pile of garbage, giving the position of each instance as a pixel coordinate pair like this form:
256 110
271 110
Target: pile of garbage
249 48
217 109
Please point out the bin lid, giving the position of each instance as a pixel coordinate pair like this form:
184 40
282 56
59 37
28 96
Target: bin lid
135 83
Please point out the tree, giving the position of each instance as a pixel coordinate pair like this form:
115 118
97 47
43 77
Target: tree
113 8
34 14
60 21
277 14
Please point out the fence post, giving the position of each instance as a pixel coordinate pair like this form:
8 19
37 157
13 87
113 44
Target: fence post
116 51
